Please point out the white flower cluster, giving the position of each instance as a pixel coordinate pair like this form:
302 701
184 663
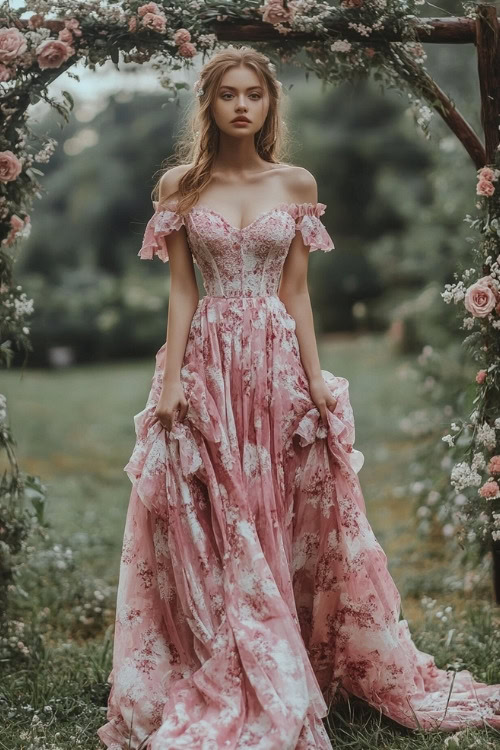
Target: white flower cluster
463 475
468 323
486 436
44 155
360 28
453 292
21 305
207 41
425 115
341 45
478 461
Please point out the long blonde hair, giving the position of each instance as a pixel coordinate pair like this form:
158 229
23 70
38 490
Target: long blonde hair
199 139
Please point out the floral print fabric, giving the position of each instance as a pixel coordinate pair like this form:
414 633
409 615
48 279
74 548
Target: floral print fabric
252 589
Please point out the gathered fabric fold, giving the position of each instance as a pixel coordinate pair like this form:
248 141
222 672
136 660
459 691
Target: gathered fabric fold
161 224
313 231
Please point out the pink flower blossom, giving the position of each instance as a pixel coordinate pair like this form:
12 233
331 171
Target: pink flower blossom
274 12
480 298
181 36
65 35
369 51
17 225
485 187
12 44
36 21
489 489
52 53
5 73
148 8
486 173
10 166
187 50
351 3
155 22
132 24
73 25
494 465
481 376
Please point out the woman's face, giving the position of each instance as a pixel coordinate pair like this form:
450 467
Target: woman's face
240 94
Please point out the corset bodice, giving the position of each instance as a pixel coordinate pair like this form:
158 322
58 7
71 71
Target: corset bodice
236 262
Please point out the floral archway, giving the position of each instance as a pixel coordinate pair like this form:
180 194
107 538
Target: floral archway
350 40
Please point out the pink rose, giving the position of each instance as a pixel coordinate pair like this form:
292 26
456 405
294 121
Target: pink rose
16 225
489 489
52 53
187 50
486 173
65 35
73 25
5 73
148 8
181 36
12 44
494 465
10 166
497 309
132 24
351 3
369 51
274 12
480 299
154 22
481 376
36 21
485 187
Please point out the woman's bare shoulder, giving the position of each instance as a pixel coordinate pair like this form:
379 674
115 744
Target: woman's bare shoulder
301 185
169 182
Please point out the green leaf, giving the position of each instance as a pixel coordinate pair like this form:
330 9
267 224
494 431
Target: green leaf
69 99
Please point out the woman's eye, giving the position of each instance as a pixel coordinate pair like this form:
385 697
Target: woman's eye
228 94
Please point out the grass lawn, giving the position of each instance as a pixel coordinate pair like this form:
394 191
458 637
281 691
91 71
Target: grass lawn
75 429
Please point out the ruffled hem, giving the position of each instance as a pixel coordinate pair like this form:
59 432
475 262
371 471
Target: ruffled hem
308 223
158 227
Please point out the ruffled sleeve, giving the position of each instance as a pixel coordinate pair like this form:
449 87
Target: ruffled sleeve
158 227
313 231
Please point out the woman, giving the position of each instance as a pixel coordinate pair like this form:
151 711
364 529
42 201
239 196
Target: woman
252 590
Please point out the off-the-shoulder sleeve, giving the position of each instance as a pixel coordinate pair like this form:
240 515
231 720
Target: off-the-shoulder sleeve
313 231
161 224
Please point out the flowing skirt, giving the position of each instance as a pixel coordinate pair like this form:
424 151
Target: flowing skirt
253 592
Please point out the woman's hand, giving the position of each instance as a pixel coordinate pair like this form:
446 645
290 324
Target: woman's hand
322 397
172 400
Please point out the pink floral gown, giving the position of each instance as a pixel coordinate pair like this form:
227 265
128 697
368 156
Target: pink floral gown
252 589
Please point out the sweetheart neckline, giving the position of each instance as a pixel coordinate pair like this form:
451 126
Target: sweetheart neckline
280 207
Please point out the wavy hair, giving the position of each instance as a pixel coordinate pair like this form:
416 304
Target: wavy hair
199 138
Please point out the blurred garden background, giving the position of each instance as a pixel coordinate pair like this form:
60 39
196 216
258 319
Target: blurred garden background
396 203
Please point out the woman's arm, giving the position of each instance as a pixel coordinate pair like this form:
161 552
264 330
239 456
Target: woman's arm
183 299
294 293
